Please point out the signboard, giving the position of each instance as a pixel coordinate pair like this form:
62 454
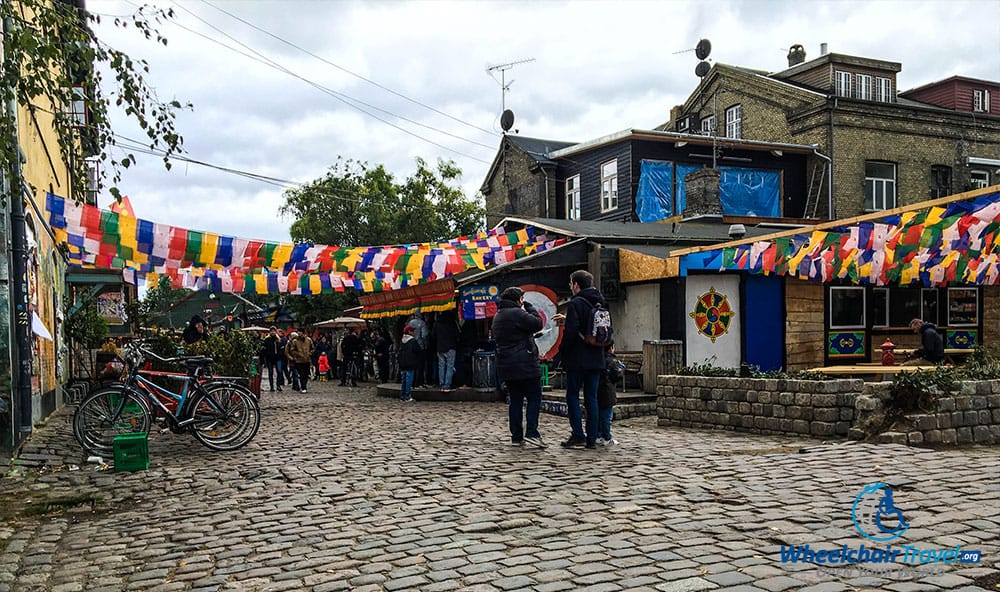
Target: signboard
545 301
479 302
111 306
713 323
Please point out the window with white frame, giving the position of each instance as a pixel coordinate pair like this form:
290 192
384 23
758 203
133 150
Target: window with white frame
93 180
883 89
708 125
880 185
979 179
77 108
981 100
843 84
864 87
573 198
609 185
734 121
847 307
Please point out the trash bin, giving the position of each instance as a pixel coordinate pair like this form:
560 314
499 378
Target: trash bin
659 357
484 369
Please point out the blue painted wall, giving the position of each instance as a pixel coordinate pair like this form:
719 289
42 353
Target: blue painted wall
764 322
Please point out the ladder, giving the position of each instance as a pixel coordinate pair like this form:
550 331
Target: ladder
815 190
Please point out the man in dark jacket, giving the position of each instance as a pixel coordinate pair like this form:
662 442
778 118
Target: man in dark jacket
583 362
273 354
351 347
445 334
931 344
514 327
410 358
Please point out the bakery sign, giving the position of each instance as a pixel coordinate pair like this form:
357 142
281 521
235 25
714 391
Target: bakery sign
479 302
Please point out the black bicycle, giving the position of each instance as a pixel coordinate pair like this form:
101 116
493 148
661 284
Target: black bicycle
220 414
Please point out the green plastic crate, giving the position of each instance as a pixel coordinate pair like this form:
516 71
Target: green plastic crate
132 452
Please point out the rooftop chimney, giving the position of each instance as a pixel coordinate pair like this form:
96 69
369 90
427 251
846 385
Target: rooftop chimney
796 55
822 49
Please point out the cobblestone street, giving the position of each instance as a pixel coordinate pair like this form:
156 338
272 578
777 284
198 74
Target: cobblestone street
345 491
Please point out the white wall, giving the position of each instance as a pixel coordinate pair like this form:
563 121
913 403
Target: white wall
636 316
726 350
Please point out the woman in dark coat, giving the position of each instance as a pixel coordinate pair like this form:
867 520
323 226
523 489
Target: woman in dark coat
514 327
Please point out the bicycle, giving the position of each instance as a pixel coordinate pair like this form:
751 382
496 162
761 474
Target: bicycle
220 414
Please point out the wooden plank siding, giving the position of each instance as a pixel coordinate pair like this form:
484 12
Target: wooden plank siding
587 164
991 316
804 332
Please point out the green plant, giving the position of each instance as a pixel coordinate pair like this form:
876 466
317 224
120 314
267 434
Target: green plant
983 364
919 391
232 352
87 328
707 369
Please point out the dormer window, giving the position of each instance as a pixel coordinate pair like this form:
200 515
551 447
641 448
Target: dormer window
864 87
883 89
981 100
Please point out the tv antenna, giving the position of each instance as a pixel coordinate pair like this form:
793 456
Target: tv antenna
504 85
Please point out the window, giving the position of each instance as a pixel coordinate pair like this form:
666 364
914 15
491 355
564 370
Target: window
880 185
847 308
734 122
963 307
883 89
929 305
843 84
609 185
940 181
865 87
880 307
573 198
77 109
93 177
981 100
708 125
979 179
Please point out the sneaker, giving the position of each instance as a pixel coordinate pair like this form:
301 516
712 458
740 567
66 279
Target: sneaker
302 391
517 443
572 443
279 389
535 441
611 442
590 446
601 442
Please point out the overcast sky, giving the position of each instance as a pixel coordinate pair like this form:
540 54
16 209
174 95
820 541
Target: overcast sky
599 67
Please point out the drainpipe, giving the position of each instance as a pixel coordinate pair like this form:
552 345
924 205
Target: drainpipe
829 179
21 312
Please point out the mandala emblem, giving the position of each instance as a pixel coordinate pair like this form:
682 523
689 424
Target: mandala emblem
712 314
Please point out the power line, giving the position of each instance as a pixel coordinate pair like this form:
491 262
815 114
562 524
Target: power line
346 99
345 70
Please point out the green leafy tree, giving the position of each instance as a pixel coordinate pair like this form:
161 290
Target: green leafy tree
357 205
51 62
156 300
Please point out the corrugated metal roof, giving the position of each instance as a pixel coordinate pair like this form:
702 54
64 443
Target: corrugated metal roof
538 148
691 232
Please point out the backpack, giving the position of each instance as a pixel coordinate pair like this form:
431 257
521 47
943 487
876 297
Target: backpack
597 328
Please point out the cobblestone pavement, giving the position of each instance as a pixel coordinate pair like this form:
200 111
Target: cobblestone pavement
345 491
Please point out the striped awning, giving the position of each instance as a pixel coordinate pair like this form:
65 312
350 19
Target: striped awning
430 297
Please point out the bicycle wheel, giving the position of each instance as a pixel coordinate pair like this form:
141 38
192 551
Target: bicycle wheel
107 413
226 416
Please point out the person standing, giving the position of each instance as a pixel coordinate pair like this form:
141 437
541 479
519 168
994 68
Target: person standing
583 362
382 347
299 352
514 327
410 358
446 339
272 355
322 347
351 347
422 334
607 398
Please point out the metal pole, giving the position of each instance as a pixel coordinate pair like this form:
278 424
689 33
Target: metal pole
21 372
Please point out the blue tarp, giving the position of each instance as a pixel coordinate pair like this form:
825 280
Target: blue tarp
654 197
743 191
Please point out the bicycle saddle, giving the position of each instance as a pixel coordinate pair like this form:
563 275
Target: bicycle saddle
195 362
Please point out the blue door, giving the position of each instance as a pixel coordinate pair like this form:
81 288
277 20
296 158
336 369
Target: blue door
764 325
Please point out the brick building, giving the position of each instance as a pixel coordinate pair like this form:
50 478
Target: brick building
887 147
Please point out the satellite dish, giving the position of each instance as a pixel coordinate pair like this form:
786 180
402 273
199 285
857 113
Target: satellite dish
703 48
702 69
507 120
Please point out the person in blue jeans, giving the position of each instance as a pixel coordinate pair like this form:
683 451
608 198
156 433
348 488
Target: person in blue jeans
607 398
514 327
411 356
583 362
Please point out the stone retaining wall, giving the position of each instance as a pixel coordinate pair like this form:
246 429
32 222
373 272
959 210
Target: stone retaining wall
970 416
772 406
830 408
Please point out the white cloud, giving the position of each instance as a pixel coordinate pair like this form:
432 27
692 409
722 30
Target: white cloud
599 67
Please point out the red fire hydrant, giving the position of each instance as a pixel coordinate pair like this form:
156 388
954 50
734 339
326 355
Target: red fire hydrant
888 355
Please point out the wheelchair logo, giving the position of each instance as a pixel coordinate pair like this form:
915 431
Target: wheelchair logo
876 516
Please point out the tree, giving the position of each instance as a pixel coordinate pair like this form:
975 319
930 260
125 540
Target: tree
356 205
157 299
51 62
